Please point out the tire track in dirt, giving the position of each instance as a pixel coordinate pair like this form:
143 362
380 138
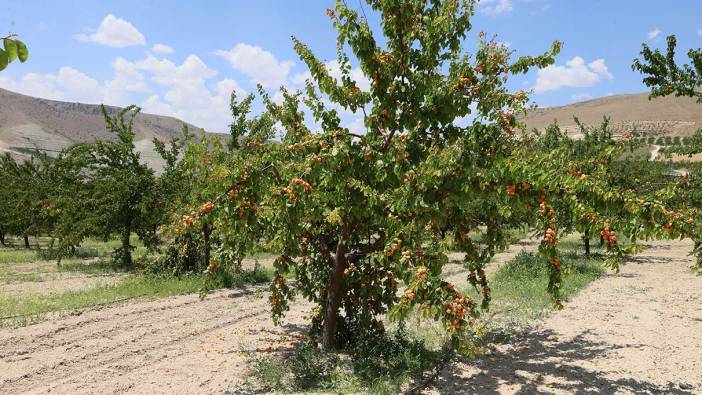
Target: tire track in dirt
112 354
637 331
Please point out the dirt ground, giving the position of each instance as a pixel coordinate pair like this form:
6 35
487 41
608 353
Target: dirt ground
634 332
638 331
174 345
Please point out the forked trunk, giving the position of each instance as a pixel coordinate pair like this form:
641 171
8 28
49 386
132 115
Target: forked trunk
331 309
331 304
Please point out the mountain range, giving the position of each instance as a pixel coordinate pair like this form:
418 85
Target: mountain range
28 123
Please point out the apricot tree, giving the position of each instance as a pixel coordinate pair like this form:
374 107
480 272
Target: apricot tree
363 221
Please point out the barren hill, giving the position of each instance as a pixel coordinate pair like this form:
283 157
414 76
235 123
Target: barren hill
673 116
27 122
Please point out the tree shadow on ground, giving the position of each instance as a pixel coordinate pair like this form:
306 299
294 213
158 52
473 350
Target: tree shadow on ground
648 259
540 363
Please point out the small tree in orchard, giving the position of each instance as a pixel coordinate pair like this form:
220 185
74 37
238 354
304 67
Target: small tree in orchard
24 194
200 169
123 195
596 148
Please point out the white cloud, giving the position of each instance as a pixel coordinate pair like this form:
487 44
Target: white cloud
259 65
653 34
356 126
334 68
575 74
114 32
187 94
126 79
162 49
166 72
699 32
495 7
68 84
581 97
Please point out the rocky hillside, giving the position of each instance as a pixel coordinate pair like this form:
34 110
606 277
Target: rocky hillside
27 122
667 116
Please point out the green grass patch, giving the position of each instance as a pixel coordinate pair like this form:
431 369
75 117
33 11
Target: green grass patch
27 308
518 288
377 363
40 250
16 255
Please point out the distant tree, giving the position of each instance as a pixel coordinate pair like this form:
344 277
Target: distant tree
124 197
24 195
665 77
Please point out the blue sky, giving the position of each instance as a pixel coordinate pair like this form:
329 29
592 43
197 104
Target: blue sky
183 58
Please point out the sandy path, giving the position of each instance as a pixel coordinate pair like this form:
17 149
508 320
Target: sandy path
656 149
639 331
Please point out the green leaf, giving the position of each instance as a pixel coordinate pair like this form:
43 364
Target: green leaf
22 51
4 60
11 49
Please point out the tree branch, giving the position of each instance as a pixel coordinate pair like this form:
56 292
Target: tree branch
377 245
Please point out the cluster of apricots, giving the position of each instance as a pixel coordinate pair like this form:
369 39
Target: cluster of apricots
246 204
393 248
578 173
463 81
609 237
550 237
304 184
206 208
233 193
458 309
421 274
512 189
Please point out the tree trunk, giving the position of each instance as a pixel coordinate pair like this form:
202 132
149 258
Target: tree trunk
206 231
26 242
126 247
2 237
586 239
331 308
